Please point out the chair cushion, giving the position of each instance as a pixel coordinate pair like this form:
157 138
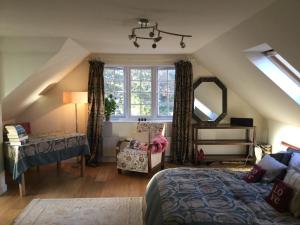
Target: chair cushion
132 160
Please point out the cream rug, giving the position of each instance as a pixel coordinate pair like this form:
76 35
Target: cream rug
82 211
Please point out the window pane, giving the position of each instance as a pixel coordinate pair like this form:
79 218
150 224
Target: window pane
134 74
114 85
135 110
145 98
162 75
119 74
119 86
171 75
135 98
166 86
145 74
171 86
141 88
163 88
135 86
145 110
108 73
146 86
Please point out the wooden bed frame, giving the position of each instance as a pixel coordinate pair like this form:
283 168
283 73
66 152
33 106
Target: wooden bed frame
290 146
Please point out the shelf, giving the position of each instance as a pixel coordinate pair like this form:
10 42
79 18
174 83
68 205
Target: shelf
225 158
221 126
224 142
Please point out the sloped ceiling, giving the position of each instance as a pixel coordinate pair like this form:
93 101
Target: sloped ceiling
103 25
66 59
278 26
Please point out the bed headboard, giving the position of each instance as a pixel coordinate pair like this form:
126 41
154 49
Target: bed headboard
289 146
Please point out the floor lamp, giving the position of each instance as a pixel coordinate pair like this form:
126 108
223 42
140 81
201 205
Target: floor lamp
76 98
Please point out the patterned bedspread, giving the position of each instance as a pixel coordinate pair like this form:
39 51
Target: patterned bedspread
196 196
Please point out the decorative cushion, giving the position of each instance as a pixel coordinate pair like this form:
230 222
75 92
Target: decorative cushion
255 174
292 178
280 196
273 168
283 158
295 161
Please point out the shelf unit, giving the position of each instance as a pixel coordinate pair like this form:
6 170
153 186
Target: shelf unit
249 142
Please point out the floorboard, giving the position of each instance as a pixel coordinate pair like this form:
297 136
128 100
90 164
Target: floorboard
102 181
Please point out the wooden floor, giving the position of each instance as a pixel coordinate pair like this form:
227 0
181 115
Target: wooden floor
102 181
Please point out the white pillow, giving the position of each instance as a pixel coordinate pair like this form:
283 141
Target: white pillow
295 161
292 178
272 166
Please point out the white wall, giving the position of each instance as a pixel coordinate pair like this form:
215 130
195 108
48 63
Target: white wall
49 115
277 25
279 132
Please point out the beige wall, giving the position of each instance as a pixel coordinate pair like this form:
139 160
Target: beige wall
48 114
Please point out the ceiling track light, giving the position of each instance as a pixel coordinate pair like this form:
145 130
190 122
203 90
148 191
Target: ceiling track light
182 44
154 34
135 43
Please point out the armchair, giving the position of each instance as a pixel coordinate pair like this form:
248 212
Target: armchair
140 160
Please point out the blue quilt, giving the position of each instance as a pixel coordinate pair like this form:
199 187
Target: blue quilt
194 196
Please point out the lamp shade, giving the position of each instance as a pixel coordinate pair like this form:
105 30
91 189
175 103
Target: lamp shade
77 97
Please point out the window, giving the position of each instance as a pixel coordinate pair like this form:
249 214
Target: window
276 68
114 84
146 92
140 95
165 95
282 64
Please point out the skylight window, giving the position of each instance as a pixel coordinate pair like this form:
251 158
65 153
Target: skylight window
275 67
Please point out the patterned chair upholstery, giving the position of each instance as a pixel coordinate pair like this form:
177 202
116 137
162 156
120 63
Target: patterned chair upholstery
140 160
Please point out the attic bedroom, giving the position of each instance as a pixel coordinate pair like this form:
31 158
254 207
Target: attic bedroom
149 112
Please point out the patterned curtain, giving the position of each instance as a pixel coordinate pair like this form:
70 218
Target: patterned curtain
96 111
182 114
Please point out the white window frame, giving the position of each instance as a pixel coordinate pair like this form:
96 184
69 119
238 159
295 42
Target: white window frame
154 93
125 89
129 91
157 91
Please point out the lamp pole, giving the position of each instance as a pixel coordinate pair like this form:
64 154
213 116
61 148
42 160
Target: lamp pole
76 117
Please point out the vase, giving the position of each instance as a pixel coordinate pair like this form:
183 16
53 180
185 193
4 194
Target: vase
107 118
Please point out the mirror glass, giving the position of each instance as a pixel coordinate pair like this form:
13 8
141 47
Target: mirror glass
209 94
208 101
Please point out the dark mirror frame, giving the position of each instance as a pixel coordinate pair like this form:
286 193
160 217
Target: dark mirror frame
224 99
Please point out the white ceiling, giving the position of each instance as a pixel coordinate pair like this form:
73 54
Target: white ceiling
104 25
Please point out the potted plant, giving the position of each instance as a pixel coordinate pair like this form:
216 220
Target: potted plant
110 106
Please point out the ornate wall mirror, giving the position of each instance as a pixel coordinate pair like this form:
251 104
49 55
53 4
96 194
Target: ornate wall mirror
210 100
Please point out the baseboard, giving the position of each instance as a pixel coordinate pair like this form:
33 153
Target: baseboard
3 186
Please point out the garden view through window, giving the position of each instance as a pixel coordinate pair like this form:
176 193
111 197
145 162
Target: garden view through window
141 91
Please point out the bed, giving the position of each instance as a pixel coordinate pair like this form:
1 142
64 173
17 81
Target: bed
196 196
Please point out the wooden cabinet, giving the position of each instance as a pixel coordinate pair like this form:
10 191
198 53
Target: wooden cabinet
249 142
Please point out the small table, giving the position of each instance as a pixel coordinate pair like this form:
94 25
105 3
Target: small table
42 151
